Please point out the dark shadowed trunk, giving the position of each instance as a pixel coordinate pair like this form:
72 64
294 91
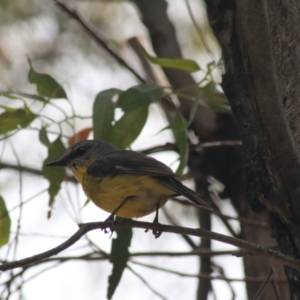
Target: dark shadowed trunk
260 42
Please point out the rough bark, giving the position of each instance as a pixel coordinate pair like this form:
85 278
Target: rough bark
261 54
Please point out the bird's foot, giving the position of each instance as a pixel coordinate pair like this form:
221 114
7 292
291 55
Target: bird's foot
157 230
111 227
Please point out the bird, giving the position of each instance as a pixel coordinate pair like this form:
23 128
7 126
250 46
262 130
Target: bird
124 183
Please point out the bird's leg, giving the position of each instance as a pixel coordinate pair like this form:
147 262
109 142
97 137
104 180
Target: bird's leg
157 229
111 217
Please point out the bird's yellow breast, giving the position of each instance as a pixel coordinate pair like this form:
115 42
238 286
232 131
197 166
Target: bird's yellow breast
79 172
145 194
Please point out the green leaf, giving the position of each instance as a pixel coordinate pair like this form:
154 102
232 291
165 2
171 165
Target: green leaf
13 118
119 256
4 223
46 85
181 139
177 127
103 114
187 65
139 96
128 128
44 137
215 100
54 175
210 90
222 108
193 110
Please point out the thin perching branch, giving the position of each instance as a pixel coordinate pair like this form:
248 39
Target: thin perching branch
199 232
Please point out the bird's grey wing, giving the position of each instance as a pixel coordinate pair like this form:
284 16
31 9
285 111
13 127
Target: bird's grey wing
129 162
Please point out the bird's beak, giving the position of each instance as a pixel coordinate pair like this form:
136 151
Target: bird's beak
58 163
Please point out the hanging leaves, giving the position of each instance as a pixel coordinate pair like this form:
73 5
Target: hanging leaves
182 64
4 223
118 257
46 85
55 176
13 119
103 114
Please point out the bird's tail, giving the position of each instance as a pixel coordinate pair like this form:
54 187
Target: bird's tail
181 189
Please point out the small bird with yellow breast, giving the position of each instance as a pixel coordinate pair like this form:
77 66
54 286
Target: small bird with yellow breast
124 183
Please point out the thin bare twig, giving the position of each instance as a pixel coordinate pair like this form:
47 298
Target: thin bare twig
198 232
197 147
97 37
264 285
105 256
245 221
146 283
137 48
199 31
20 168
203 276
187 239
276 291
220 271
216 144
159 148
30 170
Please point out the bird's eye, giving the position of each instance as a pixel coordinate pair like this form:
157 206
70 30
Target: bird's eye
81 150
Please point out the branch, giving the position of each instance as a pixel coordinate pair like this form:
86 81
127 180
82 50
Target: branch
146 283
30 170
97 37
21 168
198 232
196 147
203 275
160 148
264 285
246 221
165 44
103 256
137 48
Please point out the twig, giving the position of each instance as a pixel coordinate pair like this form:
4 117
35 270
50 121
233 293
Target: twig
199 232
240 219
188 240
197 147
96 36
264 285
219 270
104 256
137 48
20 168
166 147
198 252
146 283
29 170
276 291
202 276
199 30
216 144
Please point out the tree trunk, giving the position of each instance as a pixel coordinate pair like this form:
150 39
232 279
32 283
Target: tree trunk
260 43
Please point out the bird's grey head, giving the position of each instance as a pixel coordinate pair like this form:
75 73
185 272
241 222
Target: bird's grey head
83 152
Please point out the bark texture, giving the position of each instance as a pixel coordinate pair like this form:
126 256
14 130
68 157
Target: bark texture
261 54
